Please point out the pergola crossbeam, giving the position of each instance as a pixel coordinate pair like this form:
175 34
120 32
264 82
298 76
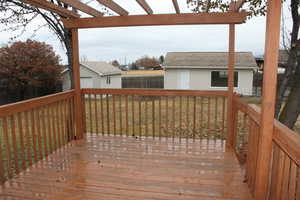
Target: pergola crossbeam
114 7
83 7
52 7
145 6
157 20
176 6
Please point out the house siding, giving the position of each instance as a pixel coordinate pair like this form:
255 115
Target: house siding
200 79
98 81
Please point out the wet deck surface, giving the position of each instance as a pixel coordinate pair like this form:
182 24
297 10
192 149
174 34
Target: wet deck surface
114 167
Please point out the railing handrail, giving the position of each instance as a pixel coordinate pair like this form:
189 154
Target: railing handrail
13 108
287 139
154 92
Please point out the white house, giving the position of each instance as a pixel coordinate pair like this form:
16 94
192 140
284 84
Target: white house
95 75
208 71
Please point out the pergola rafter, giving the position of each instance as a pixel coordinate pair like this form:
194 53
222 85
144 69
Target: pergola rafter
176 6
114 7
53 8
145 6
76 4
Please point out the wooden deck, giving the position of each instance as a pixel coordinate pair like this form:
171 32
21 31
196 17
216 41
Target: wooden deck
115 167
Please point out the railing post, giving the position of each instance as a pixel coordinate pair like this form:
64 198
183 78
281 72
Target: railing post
231 59
268 100
76 78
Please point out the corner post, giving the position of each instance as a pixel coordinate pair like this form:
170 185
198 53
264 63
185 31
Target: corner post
76 78
230 110
268 98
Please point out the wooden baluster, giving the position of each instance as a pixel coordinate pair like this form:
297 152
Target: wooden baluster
14 143
180 116
91 115
114 114
140 116
53 127
286 177
33 131
187 116
216 118
167 117
7 148
201 117
159 117
39 134
126 115
153 117
120 110
194 117
21 138
223 117
62 123
146 116
65 121
292 182
72 117
2 172
46 141
96 113
50 131
208 117
298 183
84 120
102 113
107 113
132 109
173 117
58 125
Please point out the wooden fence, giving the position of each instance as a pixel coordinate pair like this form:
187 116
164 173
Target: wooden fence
31 130
143 82
156 113
284 177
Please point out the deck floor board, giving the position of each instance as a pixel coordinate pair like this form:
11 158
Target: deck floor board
116 167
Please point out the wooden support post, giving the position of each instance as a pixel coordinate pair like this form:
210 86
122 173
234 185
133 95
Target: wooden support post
268 100
231 61
76 78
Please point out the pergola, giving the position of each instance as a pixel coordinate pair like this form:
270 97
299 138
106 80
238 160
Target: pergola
72 20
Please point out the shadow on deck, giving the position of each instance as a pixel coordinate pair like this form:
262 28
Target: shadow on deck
117 167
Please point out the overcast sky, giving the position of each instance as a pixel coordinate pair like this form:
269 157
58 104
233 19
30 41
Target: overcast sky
128 44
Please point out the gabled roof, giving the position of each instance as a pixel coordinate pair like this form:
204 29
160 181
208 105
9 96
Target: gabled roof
208 60
100 68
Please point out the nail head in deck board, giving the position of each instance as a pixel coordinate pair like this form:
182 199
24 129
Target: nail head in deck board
156 20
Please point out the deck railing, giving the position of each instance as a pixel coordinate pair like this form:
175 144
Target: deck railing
31 130
284 177
156 113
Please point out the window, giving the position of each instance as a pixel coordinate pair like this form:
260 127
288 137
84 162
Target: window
108 80
220 79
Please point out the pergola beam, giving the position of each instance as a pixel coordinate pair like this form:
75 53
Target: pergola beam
176 6
52 7
236 5
114 7
145 6
83 7
157 20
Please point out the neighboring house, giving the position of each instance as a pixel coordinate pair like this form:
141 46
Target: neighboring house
95 75
282 61
208 71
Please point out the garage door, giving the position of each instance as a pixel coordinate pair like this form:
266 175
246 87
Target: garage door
86 82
